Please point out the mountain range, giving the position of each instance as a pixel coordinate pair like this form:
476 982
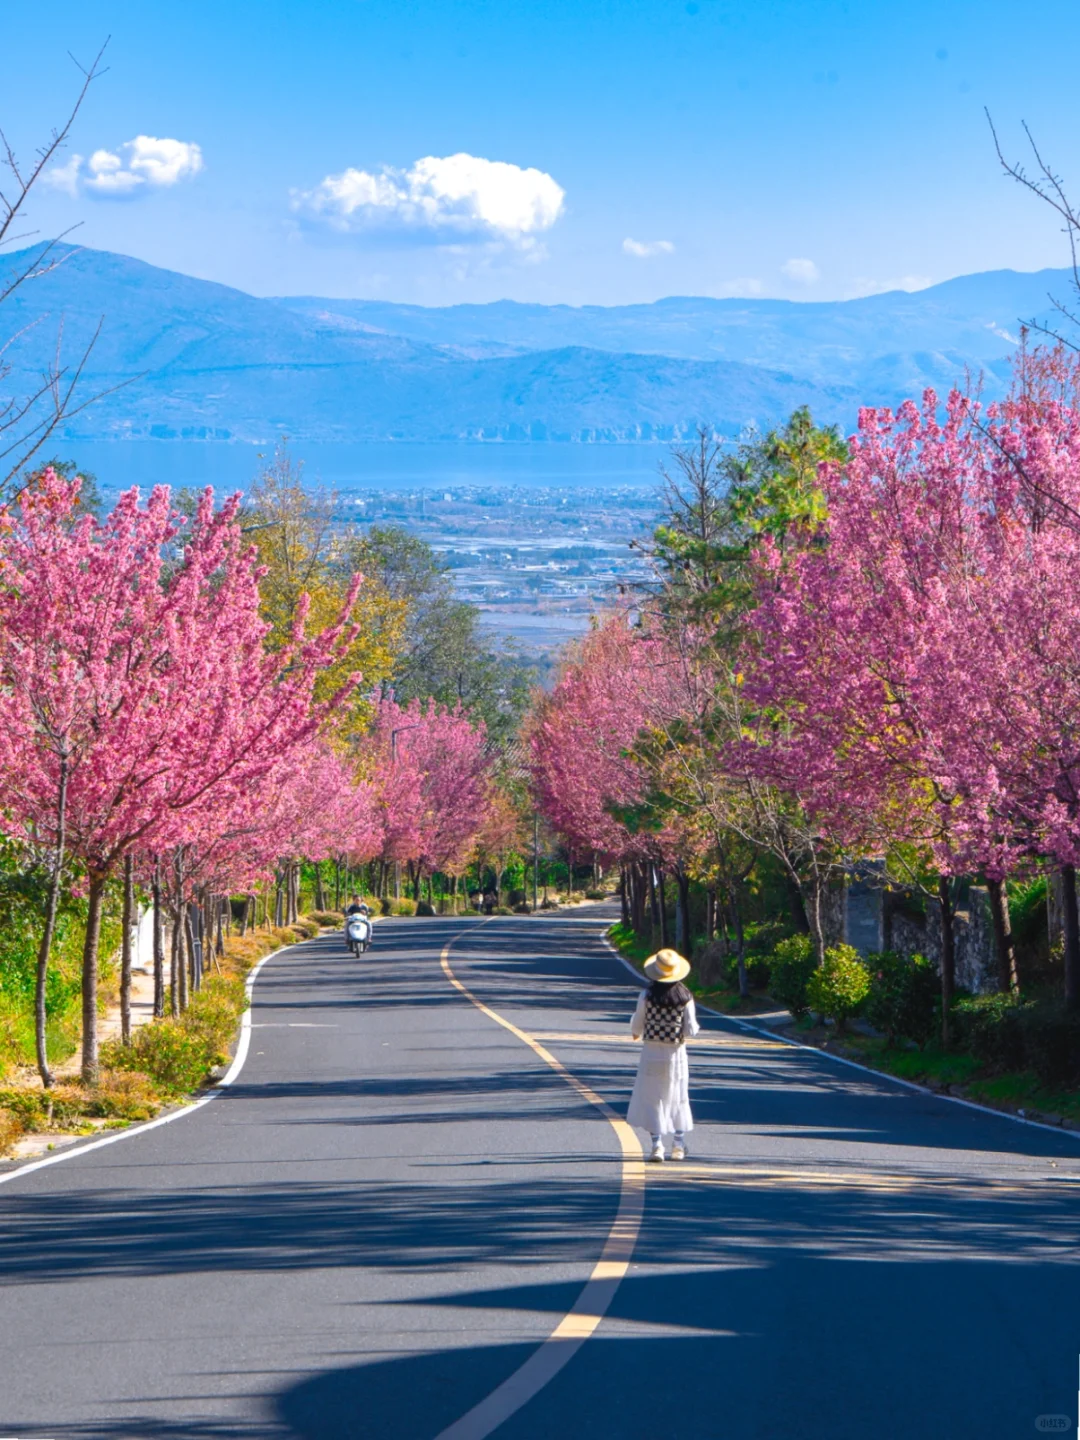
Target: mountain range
195 359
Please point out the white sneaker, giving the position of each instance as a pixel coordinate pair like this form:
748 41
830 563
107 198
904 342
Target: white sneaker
678 1152
657 1155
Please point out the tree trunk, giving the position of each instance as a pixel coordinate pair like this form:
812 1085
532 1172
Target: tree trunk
159 944
90 979
682 912
125 950
815 918
1072 937
1003 941
799 917
662 898
194 952
710 914
740 943
320 896
181 987
948 958
722 928
45 949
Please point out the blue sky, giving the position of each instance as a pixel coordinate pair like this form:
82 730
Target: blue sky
615 150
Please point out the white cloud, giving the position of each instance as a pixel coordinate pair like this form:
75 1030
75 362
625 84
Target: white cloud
646 249
140 164
457 196
803 272
65 177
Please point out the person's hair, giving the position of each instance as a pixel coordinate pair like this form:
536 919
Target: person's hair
672 993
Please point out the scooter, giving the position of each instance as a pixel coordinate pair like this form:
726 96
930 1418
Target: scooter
358 931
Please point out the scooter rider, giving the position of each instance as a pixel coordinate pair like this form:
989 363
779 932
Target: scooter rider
357 907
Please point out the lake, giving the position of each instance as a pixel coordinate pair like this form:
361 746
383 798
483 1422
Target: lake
379 465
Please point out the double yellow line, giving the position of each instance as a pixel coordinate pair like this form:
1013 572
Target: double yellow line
599 1290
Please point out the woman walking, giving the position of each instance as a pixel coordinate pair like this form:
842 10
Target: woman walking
664 1020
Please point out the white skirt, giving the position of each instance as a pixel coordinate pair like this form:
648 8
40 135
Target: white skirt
660 1103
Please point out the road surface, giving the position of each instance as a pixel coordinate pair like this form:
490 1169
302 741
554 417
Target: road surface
413 1183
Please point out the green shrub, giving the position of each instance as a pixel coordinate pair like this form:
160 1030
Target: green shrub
791 965
596 895
327 917
903 999
989 1027
523 909
10 1129
425 908
404 907
839 985
179 1054
44 1109
122 1095
502 910
386 906
764 936
1052 1044
176 1059
517 897
758 970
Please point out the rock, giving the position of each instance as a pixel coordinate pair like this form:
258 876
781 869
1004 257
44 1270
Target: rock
1068 1124
957 1090
711 966
1050 1119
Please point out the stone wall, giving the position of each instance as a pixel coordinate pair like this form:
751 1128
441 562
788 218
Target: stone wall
973 932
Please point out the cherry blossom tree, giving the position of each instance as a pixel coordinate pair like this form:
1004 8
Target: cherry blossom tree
135 682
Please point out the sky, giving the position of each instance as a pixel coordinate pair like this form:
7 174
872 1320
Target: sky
559 151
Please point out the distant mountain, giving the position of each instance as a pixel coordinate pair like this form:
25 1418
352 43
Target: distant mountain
196 358
971 320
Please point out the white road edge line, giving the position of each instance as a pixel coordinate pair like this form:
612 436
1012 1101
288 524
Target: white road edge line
226 1080
854 1064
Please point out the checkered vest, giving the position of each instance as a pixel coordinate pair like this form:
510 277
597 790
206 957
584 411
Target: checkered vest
664 1022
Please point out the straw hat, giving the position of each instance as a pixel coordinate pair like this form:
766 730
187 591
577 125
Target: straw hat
667 966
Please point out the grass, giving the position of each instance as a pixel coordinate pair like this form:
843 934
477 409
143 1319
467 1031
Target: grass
941 1069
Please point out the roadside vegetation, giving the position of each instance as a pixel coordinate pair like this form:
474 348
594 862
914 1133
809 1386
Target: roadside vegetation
855 670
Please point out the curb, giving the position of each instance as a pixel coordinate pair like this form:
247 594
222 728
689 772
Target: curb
865 1069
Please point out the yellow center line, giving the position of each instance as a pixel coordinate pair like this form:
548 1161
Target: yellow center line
757 1176
599 1290
709 1042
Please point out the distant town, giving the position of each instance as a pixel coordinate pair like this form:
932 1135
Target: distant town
536 562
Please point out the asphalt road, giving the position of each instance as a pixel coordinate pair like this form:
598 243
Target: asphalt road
399 1200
